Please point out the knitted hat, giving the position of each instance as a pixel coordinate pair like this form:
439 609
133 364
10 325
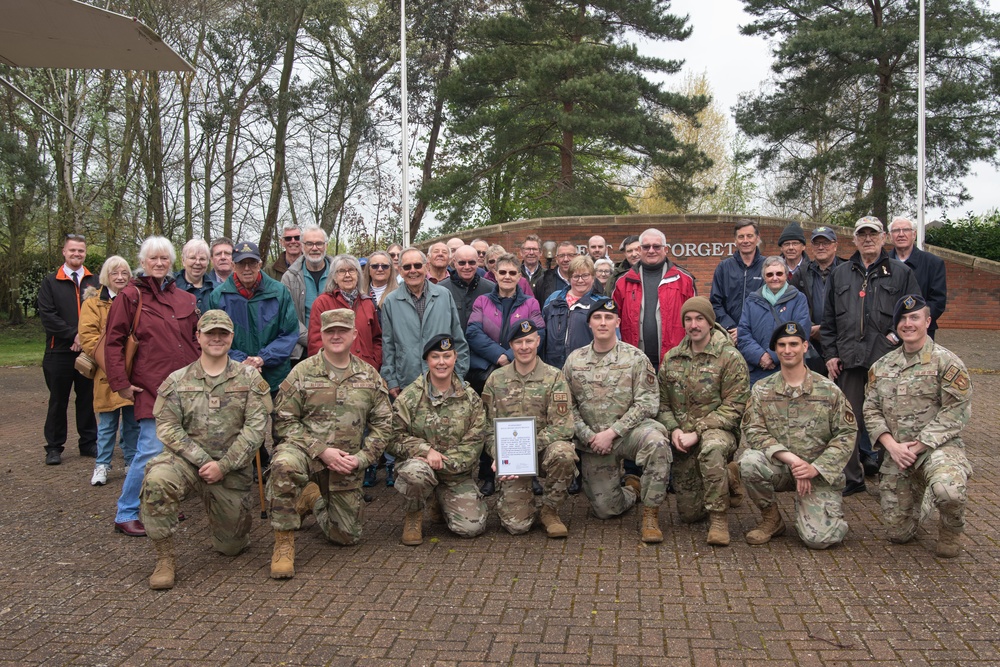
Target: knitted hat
793 232
700 305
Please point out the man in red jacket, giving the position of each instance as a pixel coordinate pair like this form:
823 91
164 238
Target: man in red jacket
649 297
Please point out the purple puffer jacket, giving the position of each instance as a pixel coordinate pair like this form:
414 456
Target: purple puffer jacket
489 335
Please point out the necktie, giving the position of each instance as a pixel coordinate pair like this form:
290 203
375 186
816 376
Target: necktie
76 279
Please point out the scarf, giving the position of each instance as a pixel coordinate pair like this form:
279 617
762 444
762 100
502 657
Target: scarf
248 293
770 296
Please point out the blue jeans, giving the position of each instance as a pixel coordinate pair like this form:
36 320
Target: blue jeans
148 446
107 434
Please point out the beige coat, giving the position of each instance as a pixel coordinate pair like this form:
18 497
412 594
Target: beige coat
93 319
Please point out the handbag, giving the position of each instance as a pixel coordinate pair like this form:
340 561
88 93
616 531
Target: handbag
85 365
131 343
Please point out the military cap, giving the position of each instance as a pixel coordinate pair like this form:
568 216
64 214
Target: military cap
338 318
603 306
245 250
215 319
868 222
786 329
440 343
523 328
907 304
825 233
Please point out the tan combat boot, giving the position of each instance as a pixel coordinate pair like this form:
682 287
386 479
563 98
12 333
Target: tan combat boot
283 556
736 492
634 483
718 529
163 572
651 533
307 499
433 510
948 542
413 533
770 526
554 527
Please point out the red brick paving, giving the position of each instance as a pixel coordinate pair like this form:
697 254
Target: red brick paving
74 592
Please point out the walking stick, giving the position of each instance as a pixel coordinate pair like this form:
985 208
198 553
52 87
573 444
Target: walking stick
260 485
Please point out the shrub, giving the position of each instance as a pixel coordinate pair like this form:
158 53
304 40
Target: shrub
977 235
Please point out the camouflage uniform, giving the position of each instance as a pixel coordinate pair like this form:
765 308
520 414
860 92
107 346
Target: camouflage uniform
544 395
925 397
814 422
453 424
704 393
618 390
200 418
318 407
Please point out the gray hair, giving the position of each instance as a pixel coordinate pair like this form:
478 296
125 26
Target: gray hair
194 245
110 264
289 227
336 263
652 231
507 258
315 228
604 260
157 244
423 257
902 218
772 261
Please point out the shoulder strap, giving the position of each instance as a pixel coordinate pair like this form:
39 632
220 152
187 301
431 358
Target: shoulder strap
138 309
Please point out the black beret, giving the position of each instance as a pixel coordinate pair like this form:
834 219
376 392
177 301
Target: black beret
602 306
440 343
907 304
786 329
523 328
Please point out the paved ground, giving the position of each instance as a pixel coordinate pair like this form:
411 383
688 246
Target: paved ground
73 592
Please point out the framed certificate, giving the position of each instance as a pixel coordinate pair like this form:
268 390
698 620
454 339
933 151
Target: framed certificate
517 454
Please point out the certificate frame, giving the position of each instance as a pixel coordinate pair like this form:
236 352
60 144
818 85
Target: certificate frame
516 446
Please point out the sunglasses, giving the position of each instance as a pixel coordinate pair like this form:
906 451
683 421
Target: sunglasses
651 246
491 261
379 267
502 272
394 255
774 274
416 266
75 237
466 262
292 238
481 253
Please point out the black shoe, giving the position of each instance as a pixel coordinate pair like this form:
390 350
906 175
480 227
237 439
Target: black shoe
488 488
390 474
854 487
53 458
536 487
871 466
371 477
90 452
574 487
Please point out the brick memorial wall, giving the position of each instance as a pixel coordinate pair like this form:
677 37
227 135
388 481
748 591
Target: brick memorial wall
699 243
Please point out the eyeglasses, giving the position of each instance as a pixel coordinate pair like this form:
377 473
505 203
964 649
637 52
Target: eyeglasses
902 231
506 272
529 249
652 246
566 256
314 244
822 243
344 272
581 276
466 262
379 267
774 274
292 238
416 266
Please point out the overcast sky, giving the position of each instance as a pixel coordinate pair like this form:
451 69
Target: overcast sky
736 64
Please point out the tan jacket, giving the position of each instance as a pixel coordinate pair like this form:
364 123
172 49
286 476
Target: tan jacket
93 319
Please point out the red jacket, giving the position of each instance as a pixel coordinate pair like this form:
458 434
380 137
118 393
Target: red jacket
368 344
166 335
676 287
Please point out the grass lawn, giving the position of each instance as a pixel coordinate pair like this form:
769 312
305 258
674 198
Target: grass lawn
22 345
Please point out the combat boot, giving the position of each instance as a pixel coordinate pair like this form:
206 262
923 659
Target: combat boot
413 530
307 499
634 483
770 526
283 557
736 492
651 533
718 529
948 542
554 527
433 510
163 572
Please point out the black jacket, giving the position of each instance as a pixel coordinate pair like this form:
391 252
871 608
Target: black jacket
58 307
859 303
465 294
809 281
930 273
549 285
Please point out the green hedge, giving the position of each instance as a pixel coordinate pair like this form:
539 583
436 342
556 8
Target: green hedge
977 235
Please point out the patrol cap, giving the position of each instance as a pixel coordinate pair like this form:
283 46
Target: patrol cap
604 305
440 343
338 318
215 319
523 328
823 233
786 329
700 305
869 222
907 304
245 250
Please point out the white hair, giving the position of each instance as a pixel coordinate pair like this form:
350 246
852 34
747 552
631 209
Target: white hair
654 232
157 244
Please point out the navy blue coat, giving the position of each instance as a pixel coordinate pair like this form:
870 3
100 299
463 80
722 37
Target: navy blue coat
758 322
929 271
566 329
732 283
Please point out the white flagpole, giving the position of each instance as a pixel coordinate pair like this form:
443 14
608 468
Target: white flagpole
921 130
404 143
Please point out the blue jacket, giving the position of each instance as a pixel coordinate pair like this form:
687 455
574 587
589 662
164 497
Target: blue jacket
566 328
201 294
489 334
732 283
758 321
929 271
